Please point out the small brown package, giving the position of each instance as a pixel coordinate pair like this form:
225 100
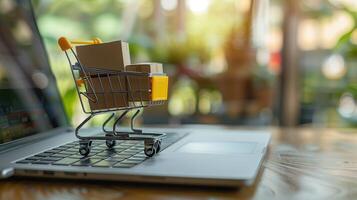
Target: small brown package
111 91
139 87
140 84
111 55
145 67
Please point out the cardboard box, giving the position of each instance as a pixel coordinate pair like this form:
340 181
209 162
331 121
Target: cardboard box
139 87
148 88
112 55
141 83
111 91
145 67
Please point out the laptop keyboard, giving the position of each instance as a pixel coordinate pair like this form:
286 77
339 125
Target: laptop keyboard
124 154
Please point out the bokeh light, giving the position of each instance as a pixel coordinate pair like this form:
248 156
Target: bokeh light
334 67
198 7
347 106
169 4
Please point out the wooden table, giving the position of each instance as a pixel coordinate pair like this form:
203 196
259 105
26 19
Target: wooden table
302 163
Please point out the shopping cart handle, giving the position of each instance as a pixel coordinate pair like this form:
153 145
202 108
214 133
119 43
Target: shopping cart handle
65 44
93 41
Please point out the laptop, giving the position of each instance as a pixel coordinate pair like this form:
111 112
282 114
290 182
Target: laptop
36 139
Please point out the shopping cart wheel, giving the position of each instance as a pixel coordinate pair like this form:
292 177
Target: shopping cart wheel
149 147
149 151
157 144
152 147
84 148
110 143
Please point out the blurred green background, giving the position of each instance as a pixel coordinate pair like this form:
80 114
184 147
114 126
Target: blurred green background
223 56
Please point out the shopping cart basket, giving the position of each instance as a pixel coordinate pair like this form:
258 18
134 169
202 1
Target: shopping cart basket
115 92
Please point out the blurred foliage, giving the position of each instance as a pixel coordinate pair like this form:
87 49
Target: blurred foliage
151 38
322 93
345 46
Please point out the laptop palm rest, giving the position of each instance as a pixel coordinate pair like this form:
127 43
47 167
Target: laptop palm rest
218 147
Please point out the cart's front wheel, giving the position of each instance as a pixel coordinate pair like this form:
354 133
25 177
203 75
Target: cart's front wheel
84 151
84 148
150 152
110 143
157 144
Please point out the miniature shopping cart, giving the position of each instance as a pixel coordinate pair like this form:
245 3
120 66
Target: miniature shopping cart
115 93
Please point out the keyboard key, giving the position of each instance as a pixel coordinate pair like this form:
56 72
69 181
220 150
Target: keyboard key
114 160
136 159
51 158
126 145
74 150
86 162
120 156
61 148
99 148
96 156
52 151
58 155
77 156
105 163
137 148
44 162
120 146
106 153
140 149
67 152
130 162
102 163
96 150
66 161
43 154
119 150
91 154
130 153
68 145
139 157
127 154
141 154
35 158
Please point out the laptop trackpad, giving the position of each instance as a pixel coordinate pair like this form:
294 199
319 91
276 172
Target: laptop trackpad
218 148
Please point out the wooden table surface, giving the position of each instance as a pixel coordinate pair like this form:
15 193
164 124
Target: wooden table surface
302 163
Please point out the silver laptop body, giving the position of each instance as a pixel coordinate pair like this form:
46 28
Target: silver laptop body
201 156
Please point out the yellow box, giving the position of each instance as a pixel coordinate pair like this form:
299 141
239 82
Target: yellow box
159 87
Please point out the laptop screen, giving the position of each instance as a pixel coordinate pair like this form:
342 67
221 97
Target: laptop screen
29 99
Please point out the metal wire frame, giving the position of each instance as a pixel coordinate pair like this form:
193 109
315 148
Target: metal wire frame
116 135
132 103
89 74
